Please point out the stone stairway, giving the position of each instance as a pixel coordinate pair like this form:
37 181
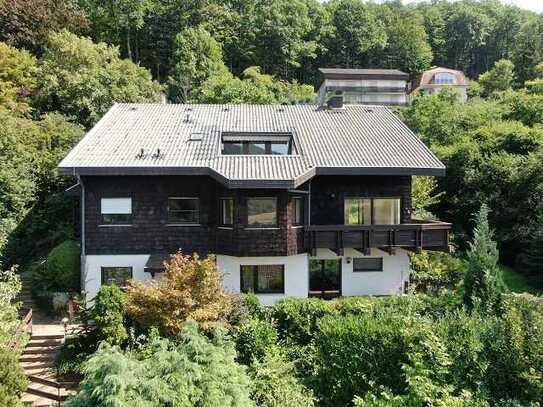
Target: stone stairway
25 295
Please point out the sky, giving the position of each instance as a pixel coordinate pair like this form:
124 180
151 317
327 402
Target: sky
534 5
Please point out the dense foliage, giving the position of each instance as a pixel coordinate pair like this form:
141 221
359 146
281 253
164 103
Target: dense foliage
13 381
10 285
63 267
108 315
190 288
189 371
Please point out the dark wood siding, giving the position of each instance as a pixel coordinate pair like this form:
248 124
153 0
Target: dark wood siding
329 192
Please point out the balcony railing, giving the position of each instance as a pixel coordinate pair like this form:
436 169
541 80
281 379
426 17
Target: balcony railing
415 236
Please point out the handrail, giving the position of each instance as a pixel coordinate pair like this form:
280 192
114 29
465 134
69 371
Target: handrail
24 327
399 226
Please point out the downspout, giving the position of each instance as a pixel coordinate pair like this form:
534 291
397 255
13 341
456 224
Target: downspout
309 204
83 256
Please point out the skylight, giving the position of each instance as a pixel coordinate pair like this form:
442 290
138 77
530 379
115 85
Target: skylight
257 144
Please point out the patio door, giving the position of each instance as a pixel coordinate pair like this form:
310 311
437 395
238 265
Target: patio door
325 278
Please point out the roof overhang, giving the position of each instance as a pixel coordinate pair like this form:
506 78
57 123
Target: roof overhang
250 183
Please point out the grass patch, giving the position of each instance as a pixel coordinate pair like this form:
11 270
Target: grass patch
517 283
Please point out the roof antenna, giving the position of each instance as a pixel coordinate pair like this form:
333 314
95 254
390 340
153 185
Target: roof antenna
157 154
141 154
187 118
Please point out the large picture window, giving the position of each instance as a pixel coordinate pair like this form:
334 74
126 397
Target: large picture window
261 212
257 143
116 275
227 211
116 211
376 211
263 279
184 211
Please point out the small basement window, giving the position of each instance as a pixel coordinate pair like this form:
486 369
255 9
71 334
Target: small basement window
116 211
116 275
367 264
257 144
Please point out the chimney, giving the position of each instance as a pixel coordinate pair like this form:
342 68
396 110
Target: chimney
335 102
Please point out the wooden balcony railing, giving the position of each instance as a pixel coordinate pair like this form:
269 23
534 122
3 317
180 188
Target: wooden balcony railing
415 236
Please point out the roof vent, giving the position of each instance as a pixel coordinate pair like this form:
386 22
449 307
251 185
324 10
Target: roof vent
158 154
141 154
226 109
187 118
335 102
133 108
196 136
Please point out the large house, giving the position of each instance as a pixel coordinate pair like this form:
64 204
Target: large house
387 87
436 79
297 201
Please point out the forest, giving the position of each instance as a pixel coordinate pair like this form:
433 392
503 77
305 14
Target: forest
461 338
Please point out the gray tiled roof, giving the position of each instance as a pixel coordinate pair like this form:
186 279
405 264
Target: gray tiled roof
354 140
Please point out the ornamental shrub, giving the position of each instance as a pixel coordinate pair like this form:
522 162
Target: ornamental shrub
193 370
190 288
297 318
63 267
108 315
275 383
253 338
13 381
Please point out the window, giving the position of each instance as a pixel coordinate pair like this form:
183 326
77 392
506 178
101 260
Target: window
264 279
116 211
262 212
376 211
227 211
361 264
444 78
298 204
257 144
116 275
386 211
184 211
357 211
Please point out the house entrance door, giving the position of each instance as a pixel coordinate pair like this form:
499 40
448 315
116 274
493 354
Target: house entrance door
325 278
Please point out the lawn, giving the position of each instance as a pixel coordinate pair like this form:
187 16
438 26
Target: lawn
517 283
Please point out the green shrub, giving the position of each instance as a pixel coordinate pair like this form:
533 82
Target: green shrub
253 338
275 383
433 271
73 354
297 318
514 350
191 371
12 379
63 267
244 307
108 314
352 352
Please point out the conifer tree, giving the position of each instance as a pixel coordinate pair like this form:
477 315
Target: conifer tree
483 282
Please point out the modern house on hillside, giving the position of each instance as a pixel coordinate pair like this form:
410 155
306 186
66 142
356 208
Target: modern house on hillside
434 80
364 86
298 201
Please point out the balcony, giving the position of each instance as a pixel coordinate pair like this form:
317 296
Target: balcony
415 236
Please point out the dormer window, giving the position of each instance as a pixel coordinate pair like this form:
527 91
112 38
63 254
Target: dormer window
444 78
257 144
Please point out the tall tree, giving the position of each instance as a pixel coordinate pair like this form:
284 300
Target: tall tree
17 78
197 57
357 31
499 78
27 23
83 80
528 51
483 281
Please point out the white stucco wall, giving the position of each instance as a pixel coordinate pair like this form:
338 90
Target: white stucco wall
296 274
390 281
92 273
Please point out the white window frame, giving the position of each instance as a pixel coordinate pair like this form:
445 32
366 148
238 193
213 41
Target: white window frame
116 206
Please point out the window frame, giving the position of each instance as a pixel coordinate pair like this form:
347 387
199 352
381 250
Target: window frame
254 270
262 226
372 210
222 211
183 198
295 211
116 222
380 269
102 268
